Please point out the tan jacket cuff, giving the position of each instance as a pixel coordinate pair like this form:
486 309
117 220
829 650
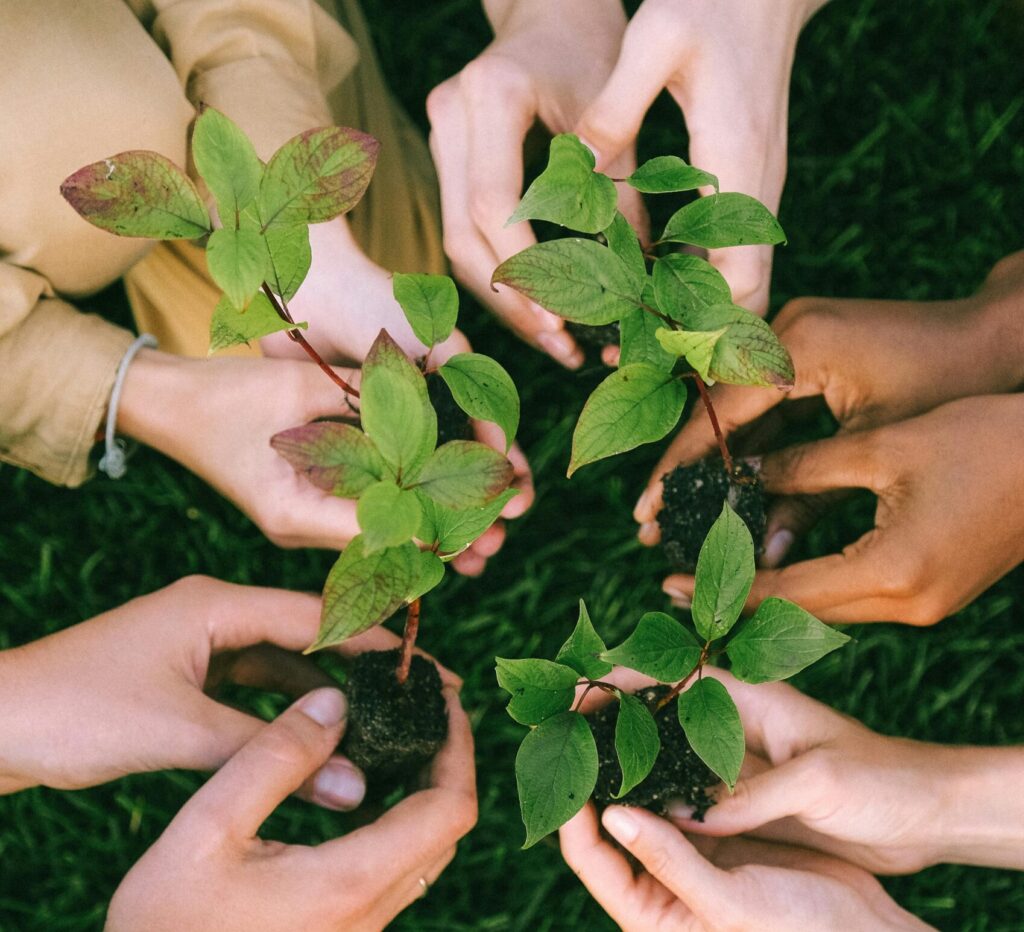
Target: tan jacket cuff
58 368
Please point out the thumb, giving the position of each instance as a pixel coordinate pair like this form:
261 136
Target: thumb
273 764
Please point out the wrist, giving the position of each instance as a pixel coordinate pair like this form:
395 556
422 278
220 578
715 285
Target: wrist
16 750
984 809
157 388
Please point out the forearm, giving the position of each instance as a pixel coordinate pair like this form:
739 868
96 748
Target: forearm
20 727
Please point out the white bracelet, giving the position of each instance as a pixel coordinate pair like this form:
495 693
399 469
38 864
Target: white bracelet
113 461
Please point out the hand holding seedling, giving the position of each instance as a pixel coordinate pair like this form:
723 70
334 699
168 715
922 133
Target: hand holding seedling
735 103
732 883
945 483
546 63
210 872
871 363
126 692
889 805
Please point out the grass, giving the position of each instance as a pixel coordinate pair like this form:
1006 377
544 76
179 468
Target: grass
906 170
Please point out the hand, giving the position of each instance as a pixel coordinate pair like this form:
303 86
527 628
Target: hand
947 483
125 692
872 363
210 871
734 884
547 62
822 780
727 65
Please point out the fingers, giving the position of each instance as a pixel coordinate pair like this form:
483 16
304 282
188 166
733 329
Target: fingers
274 763
326 398
269 668
846 461
248 615
791 517
522 476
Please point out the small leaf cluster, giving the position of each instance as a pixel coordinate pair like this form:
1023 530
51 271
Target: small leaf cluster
557 764
676 319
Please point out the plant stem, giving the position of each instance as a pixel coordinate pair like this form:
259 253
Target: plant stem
706 398
412 627
296 335
592 684
672 325
683 683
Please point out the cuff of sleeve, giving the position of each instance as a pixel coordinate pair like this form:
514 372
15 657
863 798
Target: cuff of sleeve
58 371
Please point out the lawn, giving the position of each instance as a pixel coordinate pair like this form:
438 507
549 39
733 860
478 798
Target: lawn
906 171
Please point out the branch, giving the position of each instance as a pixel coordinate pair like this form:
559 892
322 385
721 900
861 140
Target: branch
412 627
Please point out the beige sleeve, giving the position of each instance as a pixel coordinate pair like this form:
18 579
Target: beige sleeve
267 64
57 369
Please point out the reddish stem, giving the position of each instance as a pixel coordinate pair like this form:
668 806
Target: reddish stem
705 396
297 337
682 684
412 627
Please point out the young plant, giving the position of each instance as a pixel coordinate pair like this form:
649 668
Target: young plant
557 764
676 319
257 250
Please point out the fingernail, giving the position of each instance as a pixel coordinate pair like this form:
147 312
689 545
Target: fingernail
777 548
621 824
325 706
680 811
644 502
561 346
339 785
754 462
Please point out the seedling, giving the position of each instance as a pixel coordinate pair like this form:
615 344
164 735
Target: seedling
557 767
257 250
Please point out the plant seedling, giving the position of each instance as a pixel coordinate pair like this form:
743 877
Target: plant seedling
565 759
674 311
408 486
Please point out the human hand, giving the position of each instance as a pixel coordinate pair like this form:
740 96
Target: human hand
547 62
732 884
125 692
727 65
872 363
210 871
822 780
945 483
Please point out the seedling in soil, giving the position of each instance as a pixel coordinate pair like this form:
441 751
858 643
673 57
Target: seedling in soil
674 311
408 486
664 742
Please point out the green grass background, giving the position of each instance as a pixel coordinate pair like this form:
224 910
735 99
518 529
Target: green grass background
906 169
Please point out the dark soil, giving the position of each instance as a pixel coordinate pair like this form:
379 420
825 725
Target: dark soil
693 499
678 772
594 338
393 730
452 421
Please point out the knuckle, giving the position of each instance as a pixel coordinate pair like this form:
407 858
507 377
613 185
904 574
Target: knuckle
441 100
657 860
822 772
287 742
492 79
486 209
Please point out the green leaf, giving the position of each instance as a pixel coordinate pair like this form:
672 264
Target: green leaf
636 741
636 404
723 220
138 194
230 326
395 410
639 343
465 474
431 572
779 641
749 353
387 516
569 191
556 771
455 529
659 647
683 284
337 458
227 162
622 240
577 279
317 176
725 573
430 303
582 648
289 257
712 725
697 346
363 589
484 390
668 173
237 261
539 688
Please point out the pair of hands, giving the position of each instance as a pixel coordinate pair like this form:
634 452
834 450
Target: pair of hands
577 66
126 692
824 801
899 378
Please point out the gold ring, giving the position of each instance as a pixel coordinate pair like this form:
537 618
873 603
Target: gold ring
425 885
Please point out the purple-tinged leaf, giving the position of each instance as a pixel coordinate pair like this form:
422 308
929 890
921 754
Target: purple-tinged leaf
337 458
